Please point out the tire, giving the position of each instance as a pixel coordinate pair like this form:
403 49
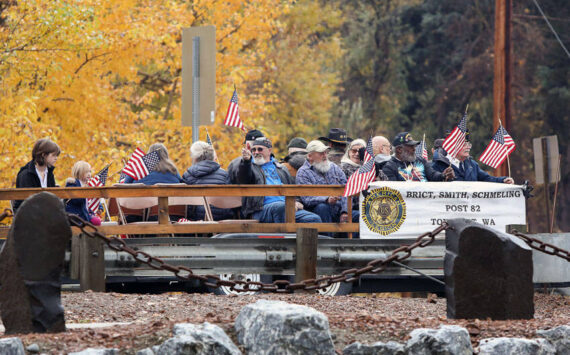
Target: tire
226 290
336 289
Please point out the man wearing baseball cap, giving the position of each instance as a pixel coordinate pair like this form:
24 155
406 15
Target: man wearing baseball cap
258 166
405 166
319 170
250 136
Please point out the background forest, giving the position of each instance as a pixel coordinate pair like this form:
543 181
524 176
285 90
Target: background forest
103 77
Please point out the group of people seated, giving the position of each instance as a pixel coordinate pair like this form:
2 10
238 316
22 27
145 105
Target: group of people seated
329 160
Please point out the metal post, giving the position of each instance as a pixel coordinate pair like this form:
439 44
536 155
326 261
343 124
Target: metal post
195 89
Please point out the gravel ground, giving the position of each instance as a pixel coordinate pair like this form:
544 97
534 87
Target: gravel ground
367 318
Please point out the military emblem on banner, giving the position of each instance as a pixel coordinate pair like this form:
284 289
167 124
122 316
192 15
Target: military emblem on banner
384 210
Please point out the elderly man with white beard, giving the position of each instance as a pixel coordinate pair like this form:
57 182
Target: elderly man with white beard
405 166
318 170
265 170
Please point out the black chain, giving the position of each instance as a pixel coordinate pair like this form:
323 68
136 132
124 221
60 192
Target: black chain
280 286
542 246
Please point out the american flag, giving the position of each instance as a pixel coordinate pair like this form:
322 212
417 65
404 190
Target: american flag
232 117
456 139
421 151
137 154
96 181
362 177
501 146
139 167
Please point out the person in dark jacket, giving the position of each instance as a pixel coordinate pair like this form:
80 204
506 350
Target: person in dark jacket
297 153
233 167
39 171
259 167
165 172
81 172
467 169
405 166
337 140
205 171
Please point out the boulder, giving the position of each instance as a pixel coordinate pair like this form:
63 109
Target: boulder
559 337
519 346
12 346
277 327
488 274
379 348
202 338
96 351
447 339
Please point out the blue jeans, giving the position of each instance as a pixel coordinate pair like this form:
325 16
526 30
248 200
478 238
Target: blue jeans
275 213
325 211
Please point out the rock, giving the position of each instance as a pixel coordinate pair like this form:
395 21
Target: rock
31 263
277 327
488 274
519 346
146 351
12 346
379 348
98 351
447 339
559 337
204 339
33 348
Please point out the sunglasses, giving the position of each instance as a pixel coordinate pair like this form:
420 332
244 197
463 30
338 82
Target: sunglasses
253 150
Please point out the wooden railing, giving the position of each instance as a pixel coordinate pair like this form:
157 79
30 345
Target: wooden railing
163 192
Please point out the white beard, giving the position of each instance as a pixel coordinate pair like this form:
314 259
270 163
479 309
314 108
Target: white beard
322 167
259 160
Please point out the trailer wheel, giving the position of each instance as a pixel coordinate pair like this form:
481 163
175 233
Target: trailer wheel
226 290
336 289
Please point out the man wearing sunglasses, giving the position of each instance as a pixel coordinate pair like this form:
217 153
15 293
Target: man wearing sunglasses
259 167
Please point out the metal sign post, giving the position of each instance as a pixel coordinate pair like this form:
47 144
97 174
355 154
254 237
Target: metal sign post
198 77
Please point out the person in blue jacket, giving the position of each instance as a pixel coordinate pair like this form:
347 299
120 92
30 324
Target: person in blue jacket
467 169
81 172
165 172
205 171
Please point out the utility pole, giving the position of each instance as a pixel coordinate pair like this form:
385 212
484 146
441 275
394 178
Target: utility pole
502 106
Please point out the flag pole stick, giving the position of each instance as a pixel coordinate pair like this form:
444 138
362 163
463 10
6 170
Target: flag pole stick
555 193
466 108
506 150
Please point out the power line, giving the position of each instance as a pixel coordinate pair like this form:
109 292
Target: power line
551 28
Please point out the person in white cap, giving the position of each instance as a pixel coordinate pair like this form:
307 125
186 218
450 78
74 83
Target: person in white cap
319 170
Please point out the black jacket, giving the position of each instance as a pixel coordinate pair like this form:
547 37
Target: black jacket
397 170
249 173
27 177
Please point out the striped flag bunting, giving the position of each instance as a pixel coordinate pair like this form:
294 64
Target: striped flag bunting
421 151
456 139
138 167
96 181
362 177
501 146
232 116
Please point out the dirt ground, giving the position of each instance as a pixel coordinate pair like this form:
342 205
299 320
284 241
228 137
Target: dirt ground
363 318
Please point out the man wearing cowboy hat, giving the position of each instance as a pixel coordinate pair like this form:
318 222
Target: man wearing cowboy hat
337 140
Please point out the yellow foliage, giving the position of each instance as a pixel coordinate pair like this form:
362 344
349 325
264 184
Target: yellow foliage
73 70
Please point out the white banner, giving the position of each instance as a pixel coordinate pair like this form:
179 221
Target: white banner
409 209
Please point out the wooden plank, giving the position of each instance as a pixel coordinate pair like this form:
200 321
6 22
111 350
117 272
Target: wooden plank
163 217
207 227
306 254
174 191
74 264
92 268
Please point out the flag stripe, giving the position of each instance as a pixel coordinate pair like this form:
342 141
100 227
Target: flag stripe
500 147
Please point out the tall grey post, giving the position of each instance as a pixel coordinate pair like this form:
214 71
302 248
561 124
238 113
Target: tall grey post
195 89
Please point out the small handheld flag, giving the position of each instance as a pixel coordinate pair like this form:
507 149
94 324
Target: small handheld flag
456 139
139 167
361 178
96 181
421 151
232 116
500 147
